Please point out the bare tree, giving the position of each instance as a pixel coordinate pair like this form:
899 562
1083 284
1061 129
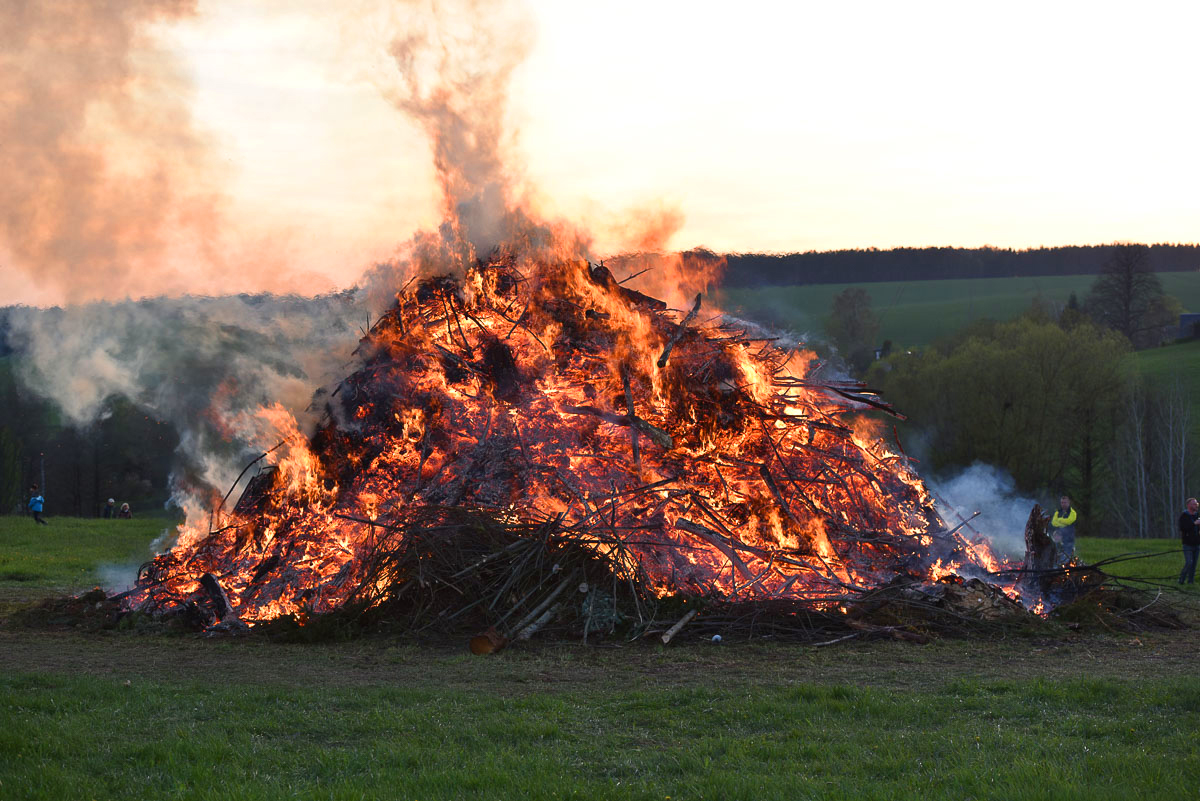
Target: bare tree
1150 461
853 326
1173 409
1128 297
1129 500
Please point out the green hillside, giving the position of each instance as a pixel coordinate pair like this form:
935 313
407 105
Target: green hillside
1182 360
918 312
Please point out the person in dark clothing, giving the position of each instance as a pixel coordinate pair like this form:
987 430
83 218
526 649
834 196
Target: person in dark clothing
1189 535
36 504
110 509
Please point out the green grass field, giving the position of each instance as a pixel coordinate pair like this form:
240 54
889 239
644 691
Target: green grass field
1180 360
915 313
74 737
71 553
1055 715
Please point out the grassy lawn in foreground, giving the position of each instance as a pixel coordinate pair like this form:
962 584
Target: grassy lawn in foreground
79 737
190 718
913 313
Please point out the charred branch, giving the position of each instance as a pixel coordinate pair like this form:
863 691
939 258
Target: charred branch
679 332
637 456
656 434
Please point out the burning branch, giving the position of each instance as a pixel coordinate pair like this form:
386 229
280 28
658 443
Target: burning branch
679 332
660 437
637 456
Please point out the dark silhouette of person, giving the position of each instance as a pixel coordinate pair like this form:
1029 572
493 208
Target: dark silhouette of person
1189 534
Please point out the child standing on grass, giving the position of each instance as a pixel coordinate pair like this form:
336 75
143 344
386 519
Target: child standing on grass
36 503
1189 534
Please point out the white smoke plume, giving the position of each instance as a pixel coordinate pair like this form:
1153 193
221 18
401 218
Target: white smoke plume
112 188
448 67
992 492
114 578
104 170
192 362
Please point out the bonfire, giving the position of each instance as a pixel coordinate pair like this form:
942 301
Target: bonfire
532 429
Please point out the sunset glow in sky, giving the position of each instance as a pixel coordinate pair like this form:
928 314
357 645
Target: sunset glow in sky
765 126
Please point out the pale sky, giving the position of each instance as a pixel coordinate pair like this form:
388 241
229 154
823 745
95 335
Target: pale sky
769 126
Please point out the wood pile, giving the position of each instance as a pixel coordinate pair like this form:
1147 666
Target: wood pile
535 445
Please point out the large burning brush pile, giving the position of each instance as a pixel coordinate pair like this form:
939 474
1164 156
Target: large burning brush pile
535 442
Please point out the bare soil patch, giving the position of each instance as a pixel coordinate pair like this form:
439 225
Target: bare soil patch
1058 654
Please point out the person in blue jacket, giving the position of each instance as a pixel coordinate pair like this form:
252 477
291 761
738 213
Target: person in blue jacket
36 504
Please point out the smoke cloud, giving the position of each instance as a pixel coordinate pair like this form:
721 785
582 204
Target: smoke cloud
991 492
449 67
104 171
453 66
196 363
111 189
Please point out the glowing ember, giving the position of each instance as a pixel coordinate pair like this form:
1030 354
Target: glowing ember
543 390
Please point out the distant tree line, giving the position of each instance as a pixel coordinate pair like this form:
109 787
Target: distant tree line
921 264
1037 399
126 454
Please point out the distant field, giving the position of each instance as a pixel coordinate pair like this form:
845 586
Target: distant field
918 312
1181 359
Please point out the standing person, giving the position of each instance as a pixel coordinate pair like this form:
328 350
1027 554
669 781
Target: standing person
1063 523
1189 534
126 513
36 504
110 509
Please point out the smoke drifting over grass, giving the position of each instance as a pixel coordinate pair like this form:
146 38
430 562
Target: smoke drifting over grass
114 578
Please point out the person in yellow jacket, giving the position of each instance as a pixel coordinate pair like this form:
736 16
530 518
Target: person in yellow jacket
1063 524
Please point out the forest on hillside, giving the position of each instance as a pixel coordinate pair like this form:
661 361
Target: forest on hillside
934 263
